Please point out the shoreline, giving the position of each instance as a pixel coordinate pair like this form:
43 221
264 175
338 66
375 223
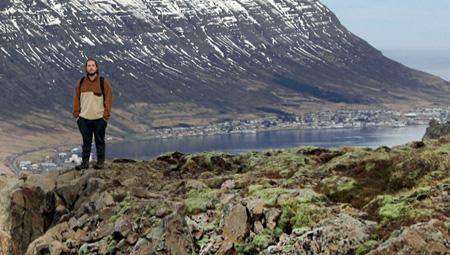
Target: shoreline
11 161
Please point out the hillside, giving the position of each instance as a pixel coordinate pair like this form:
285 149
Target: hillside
304 200
185 62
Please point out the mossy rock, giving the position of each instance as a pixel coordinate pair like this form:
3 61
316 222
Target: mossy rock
281 163
301 215
392 207
263 239
278 196
339 188
199 201
366 247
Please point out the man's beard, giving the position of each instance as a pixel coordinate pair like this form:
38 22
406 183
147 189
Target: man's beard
91 74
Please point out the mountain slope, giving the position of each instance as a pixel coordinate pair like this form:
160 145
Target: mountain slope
217 56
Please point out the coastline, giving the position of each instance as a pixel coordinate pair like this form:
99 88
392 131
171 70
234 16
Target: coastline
11 160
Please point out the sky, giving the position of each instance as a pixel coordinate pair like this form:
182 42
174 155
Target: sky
415 33
396 24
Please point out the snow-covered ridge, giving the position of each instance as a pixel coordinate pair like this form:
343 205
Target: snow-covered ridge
167 19
194 50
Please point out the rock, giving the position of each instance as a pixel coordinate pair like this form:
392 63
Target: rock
131 182
271 216
23 175
436 130
235 227
6 245
78 223
132 238
417 144
61 209
178 235
122 228
51 241
256 207
124 160
81 236
103 230
31 213
206 175
104 200
70 191
172 235
89 248
258 227
195 185
46 183
142 247
140 192
337 235
226 199
430 237
228 185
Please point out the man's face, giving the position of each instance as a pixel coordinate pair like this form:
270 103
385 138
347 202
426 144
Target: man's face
91 67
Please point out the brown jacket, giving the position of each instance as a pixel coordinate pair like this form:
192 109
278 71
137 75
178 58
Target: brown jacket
88 102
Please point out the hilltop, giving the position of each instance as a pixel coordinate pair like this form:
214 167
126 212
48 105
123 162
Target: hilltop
304 200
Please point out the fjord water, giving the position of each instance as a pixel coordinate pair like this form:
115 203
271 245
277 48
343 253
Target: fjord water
372 137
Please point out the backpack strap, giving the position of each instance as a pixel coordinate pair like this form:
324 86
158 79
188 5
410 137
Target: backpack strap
81 83
102 87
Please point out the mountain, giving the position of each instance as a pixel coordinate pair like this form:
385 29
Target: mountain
199 58
304 200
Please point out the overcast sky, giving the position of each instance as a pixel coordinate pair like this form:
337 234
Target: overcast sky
392 24
413 32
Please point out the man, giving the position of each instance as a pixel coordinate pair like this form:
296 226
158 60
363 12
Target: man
92 109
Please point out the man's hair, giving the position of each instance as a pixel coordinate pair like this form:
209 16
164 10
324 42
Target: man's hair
91 59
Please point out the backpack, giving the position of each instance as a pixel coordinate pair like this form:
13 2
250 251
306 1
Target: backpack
102 86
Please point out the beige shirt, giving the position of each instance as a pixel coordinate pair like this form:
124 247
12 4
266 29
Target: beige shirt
91 105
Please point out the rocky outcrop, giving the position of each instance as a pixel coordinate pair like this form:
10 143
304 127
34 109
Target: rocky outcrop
430 237
436 130
305 200
337 235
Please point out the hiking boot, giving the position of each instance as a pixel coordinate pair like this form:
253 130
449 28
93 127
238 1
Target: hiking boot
84 165
99 165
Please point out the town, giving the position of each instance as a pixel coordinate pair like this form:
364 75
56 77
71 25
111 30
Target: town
326 119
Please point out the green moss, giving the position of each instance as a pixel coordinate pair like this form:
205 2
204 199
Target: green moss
279 196
263 239
160 210
419 213
202 242
346 160
269 195
284 221
366 247
392 207
124 207
245 248
307 215
215 182
211 225
273 161
296 215
207 162
339 183
199 201
340 188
